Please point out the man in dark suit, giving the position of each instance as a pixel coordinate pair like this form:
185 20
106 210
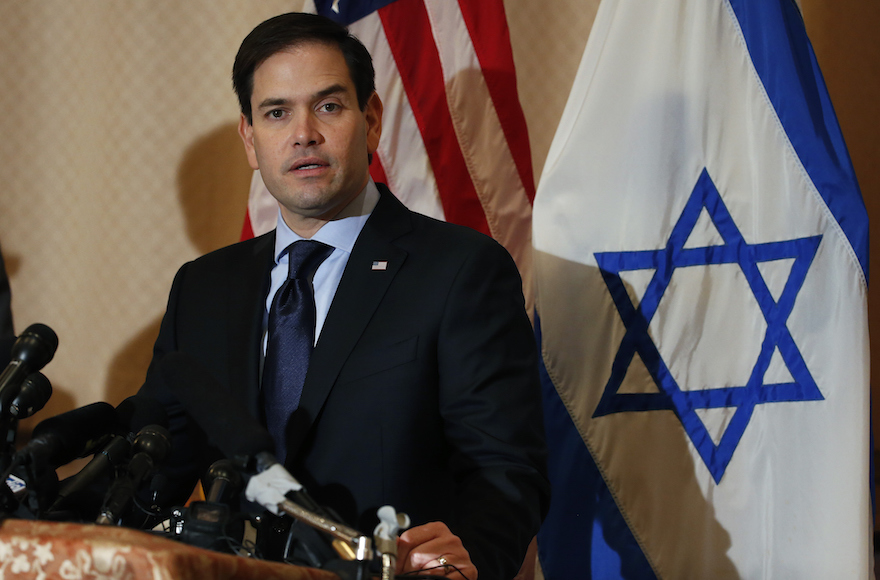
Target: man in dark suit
421 391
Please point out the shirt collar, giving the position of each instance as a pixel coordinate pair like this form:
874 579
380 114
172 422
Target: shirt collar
340 232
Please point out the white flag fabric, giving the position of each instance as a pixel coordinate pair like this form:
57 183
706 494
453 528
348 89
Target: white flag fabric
701 280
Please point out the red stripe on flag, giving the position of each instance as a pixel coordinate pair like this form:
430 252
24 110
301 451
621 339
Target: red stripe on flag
487 25
409 35
247 232
377 170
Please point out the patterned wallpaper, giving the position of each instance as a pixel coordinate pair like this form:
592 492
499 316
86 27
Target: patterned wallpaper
120 161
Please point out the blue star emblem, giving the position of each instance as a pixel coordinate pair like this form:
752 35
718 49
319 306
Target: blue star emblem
740 399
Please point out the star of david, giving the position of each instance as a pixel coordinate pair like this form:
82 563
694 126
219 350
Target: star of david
740 399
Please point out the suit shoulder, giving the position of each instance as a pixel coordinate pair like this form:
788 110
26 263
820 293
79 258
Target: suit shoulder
454 238
391 214
239 251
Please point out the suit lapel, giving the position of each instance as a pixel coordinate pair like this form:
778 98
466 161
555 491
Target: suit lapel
246 299
359 293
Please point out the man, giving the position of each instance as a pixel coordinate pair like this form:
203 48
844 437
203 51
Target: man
421 391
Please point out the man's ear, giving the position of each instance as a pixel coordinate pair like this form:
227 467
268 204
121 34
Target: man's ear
246 131
373 116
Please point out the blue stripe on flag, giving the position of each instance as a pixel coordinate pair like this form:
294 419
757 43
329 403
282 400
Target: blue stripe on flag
790 74
798 93
584 534
349 10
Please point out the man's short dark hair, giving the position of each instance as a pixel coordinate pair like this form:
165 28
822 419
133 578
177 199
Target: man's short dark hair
290 30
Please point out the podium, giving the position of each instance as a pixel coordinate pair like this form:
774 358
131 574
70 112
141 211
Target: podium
39 549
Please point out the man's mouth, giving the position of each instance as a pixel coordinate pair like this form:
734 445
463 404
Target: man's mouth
307 164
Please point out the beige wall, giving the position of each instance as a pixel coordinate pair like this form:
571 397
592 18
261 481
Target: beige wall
119 158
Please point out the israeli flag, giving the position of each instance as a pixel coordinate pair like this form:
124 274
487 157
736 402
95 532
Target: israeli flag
701 277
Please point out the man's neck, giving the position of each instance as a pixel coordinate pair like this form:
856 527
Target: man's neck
361 205
308 226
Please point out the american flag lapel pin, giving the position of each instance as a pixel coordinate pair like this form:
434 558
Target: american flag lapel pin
380 265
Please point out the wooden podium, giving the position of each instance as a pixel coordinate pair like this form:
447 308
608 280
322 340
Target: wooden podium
42 550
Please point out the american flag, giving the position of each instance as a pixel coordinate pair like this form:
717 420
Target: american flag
454 140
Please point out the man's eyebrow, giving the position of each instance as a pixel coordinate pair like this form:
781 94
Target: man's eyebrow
331 90
273 102
281 101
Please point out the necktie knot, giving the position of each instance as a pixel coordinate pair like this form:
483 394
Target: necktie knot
304 258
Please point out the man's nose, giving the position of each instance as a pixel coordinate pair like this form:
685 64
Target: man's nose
306 131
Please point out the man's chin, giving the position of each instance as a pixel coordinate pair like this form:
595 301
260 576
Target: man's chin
309 217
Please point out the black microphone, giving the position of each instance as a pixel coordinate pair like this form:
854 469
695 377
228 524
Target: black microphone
103 463
224 481
56 441
132 415
65 437
36 390
151 446
211 523
30 352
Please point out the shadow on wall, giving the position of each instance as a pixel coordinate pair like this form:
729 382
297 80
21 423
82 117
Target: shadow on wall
213 180
212 183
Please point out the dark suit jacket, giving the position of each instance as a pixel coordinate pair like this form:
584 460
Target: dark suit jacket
422 391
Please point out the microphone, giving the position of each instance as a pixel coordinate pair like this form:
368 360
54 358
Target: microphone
211 523
30 352
63 438
225 482
56 441
112 455
151 446
132 415
33 396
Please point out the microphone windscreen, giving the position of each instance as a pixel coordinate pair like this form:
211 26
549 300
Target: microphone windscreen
35 347
221 416
223 481
36 390
73 431
138 411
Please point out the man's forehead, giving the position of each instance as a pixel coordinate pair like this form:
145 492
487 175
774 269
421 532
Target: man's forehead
306 50
318 64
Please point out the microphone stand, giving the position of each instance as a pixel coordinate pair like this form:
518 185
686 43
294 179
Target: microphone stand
353 546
